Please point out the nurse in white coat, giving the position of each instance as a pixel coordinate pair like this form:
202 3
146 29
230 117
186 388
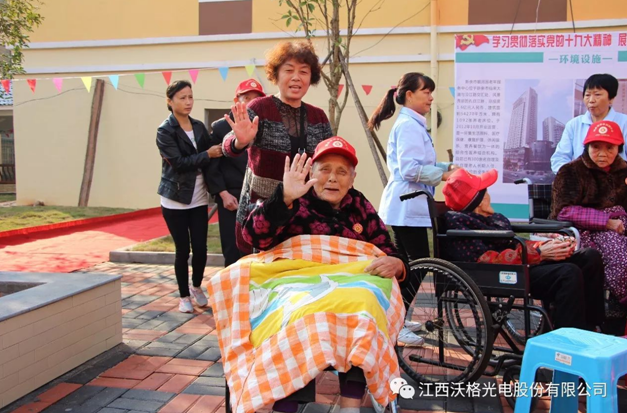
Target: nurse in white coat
411 160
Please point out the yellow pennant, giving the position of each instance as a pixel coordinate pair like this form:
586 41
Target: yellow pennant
87 82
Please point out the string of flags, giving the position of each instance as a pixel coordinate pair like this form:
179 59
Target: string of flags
141 78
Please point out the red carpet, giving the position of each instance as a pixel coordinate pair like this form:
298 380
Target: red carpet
70 249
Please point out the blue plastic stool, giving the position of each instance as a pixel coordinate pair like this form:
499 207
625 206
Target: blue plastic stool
574 353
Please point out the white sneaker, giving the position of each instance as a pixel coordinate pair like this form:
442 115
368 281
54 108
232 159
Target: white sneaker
185 305
408 338
413 326
199 296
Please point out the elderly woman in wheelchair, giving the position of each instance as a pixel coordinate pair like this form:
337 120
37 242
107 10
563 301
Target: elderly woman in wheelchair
591 192
571 280
320 294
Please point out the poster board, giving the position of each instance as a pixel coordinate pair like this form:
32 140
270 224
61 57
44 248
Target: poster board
513 96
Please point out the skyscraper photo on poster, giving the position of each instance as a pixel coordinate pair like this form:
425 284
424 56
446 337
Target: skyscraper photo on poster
514 95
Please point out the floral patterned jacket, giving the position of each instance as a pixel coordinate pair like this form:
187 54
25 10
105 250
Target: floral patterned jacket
272 222
488 250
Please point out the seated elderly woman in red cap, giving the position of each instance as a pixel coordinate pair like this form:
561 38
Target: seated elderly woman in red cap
326 204
572 280
591 192
321 293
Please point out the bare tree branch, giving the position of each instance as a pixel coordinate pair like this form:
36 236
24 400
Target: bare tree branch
392 29
377 6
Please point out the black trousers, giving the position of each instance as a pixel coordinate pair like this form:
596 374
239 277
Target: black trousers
574 286
185 225
412 243
226 220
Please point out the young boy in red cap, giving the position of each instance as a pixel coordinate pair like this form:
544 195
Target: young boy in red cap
572 280
227 175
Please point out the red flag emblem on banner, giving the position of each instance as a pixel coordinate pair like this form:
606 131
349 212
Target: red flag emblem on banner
463 41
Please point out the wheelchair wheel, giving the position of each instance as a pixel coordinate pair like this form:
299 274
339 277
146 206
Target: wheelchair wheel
515 324
457 326
511 375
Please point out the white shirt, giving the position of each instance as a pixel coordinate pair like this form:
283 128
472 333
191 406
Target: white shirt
200 197
411 160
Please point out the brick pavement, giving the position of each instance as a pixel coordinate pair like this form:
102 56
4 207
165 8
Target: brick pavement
170 363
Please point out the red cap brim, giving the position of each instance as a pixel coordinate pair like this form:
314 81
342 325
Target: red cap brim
241 92
488 178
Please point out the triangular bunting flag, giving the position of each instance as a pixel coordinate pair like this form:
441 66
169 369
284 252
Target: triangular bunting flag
87 82
224 71
167 76
452 89
194 74
140 79
58 83
6 84
32 83
115 79
250 69
367 89
340 88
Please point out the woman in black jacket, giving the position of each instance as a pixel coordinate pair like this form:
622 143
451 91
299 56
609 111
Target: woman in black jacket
185 151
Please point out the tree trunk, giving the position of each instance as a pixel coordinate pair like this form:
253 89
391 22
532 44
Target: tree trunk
364 120
92 138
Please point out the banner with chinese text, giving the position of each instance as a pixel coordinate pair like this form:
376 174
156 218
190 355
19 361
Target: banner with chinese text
515 93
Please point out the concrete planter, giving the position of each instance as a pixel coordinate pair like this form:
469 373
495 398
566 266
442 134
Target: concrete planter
126 255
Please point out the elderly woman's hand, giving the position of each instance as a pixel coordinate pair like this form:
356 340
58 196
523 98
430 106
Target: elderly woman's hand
616 225
555 250
294 185
386 267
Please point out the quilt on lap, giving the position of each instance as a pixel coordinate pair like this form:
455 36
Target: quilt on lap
284 315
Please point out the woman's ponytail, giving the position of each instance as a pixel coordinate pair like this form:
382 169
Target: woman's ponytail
384 111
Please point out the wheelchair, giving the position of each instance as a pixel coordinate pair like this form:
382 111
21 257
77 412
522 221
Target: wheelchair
476 317
540 200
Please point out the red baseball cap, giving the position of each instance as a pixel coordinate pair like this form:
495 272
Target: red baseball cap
250 85
605 131
461 188
336 145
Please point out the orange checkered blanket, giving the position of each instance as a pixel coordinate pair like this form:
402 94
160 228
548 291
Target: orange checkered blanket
266 371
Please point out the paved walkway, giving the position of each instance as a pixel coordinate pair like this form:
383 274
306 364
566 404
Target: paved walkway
170 363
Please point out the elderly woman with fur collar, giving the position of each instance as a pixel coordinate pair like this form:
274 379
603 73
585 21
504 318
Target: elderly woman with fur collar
591 192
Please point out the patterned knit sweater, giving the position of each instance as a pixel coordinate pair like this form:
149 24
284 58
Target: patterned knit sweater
266 154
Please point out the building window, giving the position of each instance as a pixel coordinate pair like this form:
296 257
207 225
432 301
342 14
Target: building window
503 11
225 16
211 115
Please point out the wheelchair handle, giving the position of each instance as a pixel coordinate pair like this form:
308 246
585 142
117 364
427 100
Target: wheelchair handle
414 194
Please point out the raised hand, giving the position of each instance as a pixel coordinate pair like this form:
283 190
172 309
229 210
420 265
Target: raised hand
244 130
294 185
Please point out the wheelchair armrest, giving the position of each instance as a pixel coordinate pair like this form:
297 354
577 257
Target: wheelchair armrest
564 224
540 228
461 233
